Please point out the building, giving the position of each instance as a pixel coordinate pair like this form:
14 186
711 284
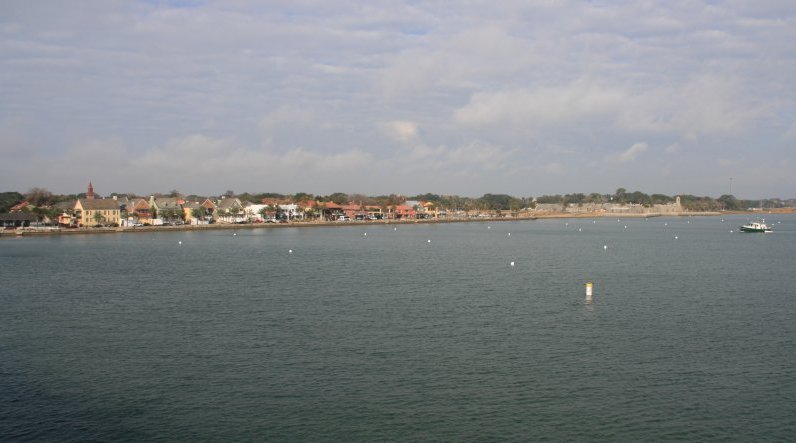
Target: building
205 210
91 212
18 219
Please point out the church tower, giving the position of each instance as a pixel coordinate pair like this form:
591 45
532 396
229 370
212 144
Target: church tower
90 193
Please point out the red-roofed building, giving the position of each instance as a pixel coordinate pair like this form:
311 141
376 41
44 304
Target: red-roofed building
403 212
353 211
19 207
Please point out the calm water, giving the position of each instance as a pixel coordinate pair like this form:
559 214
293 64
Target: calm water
386 336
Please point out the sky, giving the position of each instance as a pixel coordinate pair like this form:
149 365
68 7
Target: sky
519 97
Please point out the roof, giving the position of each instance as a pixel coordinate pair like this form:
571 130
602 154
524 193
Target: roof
273 201
18 207
229 203
192 205
94 204
166 202
140 205
19 216
195 204
65 205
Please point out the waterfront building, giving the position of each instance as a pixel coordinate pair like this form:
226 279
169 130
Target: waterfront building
91 212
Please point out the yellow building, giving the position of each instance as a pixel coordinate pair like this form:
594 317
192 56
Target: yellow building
91 212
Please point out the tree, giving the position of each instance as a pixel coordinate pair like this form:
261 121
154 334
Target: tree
9 199
264 212
339 198
98 218
39 197
729 202
198 213
301 197
658 199
550 199
619 195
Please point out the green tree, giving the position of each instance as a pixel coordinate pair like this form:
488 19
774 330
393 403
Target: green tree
660 199
301 197
547 199
729 202
9 199
339 198
198 213
620 195
98 218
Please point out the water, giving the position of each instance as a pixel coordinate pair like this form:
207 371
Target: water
389 337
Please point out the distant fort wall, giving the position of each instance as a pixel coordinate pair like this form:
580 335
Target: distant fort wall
612 208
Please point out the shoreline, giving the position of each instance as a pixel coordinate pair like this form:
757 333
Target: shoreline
224 226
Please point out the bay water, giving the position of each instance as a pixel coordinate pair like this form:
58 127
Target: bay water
404 333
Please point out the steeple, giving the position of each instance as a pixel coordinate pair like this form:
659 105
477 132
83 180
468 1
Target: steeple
90 193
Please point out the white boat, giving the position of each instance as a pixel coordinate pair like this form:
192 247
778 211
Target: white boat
756 226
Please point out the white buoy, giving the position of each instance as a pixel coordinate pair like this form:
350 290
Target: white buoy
509 235
489 227
365 234
180 242
730 231
428 241
566 224
234 234
605 246
394 229
676 237
625 226
289 251
512 263
579 229
666 224
589 286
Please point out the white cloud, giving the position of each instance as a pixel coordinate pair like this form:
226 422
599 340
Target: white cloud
417 90
633 152
524 109
400 130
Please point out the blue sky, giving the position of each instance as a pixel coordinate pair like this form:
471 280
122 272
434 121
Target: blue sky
518 97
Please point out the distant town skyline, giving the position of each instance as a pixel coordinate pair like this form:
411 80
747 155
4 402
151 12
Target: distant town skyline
518 98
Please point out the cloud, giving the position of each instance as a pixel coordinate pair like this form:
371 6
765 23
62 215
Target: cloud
701 106
389 96
538 109
553 168
401 131
791 132
633 152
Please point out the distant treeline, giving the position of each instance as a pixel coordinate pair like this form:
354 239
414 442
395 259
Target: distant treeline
42 200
